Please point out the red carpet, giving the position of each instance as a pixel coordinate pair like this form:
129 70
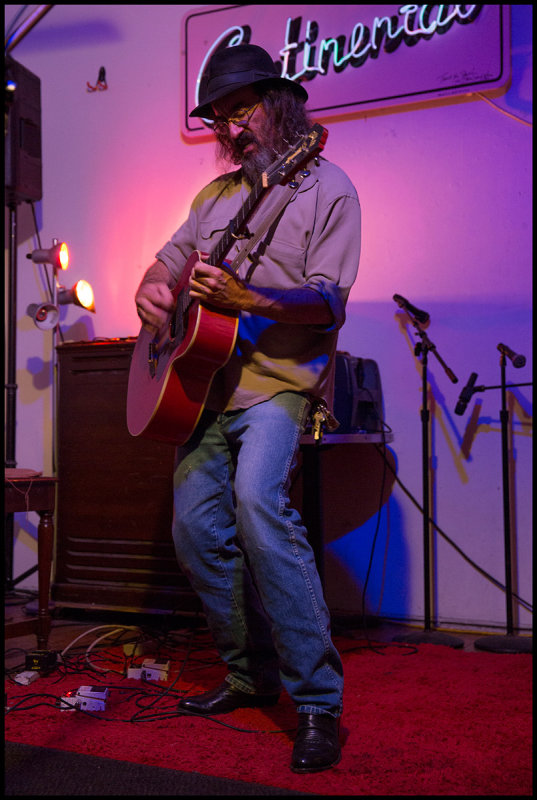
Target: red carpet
433 722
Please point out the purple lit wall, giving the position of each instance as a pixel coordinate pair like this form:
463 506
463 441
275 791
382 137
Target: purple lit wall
445 189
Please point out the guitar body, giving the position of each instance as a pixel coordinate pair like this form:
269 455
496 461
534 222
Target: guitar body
167 390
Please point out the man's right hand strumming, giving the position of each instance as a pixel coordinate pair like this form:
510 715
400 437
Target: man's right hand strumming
154 301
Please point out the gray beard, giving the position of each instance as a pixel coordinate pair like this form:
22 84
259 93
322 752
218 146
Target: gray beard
254 164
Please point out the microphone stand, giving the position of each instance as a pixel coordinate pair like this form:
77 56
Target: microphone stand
508 643
427 636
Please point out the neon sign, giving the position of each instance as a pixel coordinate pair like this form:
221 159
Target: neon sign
354 58
365 42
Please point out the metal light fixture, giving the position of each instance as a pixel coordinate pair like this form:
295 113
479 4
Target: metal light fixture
57 255
81 294
46 315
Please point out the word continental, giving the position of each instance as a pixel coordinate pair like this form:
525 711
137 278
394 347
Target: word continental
387 33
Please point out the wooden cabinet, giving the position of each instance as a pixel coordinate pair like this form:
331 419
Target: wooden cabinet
114 546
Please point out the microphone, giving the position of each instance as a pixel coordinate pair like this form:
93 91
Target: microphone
421 316
517 361
466 395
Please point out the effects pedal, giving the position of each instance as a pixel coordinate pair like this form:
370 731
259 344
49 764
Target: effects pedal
41 660
26 678
151 670
86 698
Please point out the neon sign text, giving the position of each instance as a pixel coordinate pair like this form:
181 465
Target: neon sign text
366 42
324 46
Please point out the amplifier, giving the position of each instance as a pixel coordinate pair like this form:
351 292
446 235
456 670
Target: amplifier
358 403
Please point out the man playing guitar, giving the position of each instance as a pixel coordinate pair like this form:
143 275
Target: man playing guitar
277 315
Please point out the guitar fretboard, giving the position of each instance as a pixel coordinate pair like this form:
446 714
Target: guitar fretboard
278 172
236 225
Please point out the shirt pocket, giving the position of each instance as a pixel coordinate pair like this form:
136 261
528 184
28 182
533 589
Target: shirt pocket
296 225
280 265
211 231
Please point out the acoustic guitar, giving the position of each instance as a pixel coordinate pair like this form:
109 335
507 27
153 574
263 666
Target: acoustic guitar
168 387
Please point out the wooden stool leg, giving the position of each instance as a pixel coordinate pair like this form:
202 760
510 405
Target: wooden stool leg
45 538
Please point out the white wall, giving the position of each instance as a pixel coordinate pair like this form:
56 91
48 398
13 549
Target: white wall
446 197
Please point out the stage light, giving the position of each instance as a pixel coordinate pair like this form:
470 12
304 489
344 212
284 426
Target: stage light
81 294
44 315
47 315
57 255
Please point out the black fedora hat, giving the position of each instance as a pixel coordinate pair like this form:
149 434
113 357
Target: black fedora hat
232 68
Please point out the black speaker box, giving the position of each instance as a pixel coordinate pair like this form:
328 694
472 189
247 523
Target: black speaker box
22 115
358 405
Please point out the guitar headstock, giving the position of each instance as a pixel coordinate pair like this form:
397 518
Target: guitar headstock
303 150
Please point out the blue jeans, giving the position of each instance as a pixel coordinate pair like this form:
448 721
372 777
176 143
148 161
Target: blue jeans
246 554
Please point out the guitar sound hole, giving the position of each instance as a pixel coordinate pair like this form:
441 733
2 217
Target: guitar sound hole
152 359
178 321
177 328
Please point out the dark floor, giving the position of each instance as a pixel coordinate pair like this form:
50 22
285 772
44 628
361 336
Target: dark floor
68 623
37 771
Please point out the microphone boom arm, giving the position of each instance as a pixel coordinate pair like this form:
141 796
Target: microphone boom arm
427 346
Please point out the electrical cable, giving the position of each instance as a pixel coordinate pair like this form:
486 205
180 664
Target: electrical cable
92 630
503 111
442 533
13 24
28 697
154 694
90 648
376 646
381 449
461 552
168 689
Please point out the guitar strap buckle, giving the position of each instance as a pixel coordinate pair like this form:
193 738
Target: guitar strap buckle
244 235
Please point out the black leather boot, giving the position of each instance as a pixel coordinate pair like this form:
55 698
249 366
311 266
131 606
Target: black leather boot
317 743
223 699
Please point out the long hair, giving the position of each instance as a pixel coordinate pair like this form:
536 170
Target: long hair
288 121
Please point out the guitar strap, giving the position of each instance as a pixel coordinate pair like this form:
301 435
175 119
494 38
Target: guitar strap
320 415
287 194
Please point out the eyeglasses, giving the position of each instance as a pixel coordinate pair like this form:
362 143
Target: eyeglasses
241 119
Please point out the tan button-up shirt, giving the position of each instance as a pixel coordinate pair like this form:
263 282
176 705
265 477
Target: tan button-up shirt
316 244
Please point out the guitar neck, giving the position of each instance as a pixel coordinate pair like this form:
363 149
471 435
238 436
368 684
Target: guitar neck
236 225
280 171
